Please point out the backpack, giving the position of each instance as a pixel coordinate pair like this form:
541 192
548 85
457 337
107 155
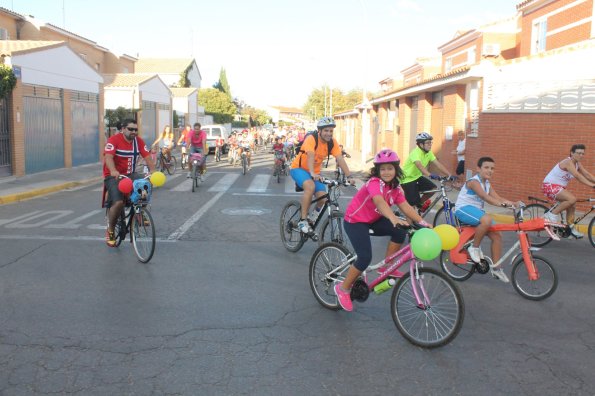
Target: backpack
330 145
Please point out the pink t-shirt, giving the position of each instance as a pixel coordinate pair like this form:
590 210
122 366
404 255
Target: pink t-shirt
362 209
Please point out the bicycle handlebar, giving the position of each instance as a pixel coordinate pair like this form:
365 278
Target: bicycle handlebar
334 183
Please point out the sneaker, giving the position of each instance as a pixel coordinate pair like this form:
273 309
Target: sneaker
313 215
344 298
575 233
554 218
189 175
110 238
499 274
475 253
304 227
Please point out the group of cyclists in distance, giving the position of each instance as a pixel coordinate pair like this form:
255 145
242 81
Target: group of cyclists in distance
390 183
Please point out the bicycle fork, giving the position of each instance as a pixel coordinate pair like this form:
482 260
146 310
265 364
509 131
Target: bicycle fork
418 286
527 256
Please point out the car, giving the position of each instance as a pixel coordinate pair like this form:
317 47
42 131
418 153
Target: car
213 132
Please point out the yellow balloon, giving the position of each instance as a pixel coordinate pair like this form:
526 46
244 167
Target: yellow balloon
157 179
448 235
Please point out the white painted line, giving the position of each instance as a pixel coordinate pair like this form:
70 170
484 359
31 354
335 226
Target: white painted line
55 214
177 234
266 194
259 183
74 223
68 238
186 185
224 183
289 185
6 221
98 189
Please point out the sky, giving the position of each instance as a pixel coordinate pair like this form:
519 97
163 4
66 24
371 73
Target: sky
274 52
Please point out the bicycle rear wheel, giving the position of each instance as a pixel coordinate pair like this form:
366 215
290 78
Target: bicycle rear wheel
171 167
325 271
194 177
332 231
438 321
143 235
534 211
119 227
538 289
591 232
458 272
292 238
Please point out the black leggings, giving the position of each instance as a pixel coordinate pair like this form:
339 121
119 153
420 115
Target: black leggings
359 235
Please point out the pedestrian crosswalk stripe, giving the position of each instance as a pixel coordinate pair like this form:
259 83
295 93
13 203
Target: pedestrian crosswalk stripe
259 183
224 183
289 184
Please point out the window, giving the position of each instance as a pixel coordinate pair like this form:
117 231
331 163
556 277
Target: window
97 66
437 99
538 36
471 56
125 69
448 65
84 56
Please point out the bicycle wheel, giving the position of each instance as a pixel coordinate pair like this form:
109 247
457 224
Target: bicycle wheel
538 289
332 231
173 164
194 177
591 232
442 217
119 227
534 211
438 321
292 238
244 164
143 235
183 160
326 259
458 272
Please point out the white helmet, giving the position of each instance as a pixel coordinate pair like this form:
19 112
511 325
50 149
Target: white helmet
422 137
326 122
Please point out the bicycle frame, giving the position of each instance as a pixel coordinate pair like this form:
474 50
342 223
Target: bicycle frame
557 203
442 196
398 259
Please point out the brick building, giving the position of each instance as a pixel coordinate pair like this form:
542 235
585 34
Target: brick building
522 88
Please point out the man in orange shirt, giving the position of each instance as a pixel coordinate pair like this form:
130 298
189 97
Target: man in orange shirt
305 168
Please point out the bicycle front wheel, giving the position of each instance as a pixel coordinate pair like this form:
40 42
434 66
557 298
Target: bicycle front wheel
591 232
534 211
244 164
438 318
332 231
292 238
143 235
183 161
444 217
538 289
327 266
173 164
458 272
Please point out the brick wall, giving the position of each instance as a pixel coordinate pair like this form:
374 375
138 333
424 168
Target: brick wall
526 147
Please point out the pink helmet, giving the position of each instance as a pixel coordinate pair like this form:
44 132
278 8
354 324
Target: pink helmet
386 156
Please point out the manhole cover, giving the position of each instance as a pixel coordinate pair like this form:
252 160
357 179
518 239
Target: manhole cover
245 211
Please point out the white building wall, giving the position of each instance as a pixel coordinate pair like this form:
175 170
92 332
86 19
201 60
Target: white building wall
154 90
124 97
62 68
194 77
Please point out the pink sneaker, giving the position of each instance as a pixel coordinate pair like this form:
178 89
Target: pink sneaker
344 298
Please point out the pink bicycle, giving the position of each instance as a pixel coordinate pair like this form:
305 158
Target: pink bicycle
426 306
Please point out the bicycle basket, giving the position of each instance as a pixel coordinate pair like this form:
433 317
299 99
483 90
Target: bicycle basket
141 191
196 157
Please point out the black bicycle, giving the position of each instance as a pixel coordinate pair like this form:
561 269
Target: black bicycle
331 229
136 219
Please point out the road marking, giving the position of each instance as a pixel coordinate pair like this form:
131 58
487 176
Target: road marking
289 184
68 238
74 223
259 183
177 234
55 214
224 183
6 221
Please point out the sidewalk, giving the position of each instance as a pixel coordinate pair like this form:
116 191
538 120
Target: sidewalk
14 189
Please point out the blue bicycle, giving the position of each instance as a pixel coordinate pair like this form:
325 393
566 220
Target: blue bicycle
445 214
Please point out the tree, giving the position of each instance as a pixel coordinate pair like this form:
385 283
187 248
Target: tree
315 105
217 104
112 117
222 85
256 116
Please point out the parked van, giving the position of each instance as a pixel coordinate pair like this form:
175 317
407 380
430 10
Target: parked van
213 132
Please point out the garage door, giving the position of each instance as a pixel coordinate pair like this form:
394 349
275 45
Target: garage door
5 155
84 108
43 122
149 122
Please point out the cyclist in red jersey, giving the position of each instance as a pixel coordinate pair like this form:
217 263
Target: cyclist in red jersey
121 153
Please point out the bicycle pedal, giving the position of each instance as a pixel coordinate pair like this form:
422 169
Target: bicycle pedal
314 237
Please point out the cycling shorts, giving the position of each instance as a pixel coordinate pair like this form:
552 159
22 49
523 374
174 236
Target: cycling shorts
470 215
551 190
414 188
300 175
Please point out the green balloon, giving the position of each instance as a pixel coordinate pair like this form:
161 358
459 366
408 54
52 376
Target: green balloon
426 244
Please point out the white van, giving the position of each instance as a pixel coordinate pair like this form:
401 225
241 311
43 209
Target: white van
213 132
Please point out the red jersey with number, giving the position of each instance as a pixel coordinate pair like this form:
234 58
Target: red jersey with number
126 154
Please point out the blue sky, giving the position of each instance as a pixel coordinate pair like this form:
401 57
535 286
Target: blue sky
274 51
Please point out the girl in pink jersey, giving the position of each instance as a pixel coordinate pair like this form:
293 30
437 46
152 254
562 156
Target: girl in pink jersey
370 209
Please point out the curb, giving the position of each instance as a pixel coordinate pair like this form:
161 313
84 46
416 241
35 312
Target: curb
46 190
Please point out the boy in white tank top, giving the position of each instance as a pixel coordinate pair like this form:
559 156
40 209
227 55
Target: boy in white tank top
555 183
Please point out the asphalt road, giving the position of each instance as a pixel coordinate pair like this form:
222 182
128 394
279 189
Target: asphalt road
223 308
